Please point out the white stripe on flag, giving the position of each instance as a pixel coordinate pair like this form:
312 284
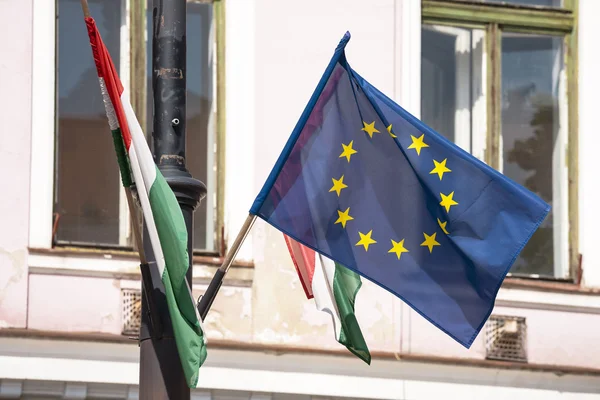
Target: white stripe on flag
144 178
113 122
322 286
320 281
138 139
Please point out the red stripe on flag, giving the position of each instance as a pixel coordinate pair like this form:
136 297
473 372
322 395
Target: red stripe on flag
314 121
304 261
106 70
302 256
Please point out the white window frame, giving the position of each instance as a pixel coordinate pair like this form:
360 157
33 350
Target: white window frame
42 124
43 132
242 186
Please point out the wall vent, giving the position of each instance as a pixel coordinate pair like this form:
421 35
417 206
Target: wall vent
506 338
131 302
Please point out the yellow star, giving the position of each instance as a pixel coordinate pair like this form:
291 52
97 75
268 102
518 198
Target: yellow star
447 201
430 241
418 143
398 248
370 128
348 150
338 185
344 217
389 129
365 240
440 168
443 226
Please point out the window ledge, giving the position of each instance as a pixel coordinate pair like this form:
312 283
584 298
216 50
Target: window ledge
549 286
89 251
122 264
526 297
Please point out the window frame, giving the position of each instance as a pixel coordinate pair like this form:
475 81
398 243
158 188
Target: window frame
496 18
132 72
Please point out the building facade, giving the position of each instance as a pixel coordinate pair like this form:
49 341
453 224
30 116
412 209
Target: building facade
513 82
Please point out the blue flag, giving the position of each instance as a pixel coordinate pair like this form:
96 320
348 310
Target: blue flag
368 185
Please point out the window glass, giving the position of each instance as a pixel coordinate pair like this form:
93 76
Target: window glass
453 83
532 76
87 175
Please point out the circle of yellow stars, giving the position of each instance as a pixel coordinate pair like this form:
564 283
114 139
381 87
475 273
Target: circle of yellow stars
439 168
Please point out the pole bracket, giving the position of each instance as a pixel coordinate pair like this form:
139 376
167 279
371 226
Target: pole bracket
155 320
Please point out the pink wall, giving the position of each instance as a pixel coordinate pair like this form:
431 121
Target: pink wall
589 141
74 304
553 337
15 133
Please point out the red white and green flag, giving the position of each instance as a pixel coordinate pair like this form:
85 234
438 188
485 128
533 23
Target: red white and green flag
162 215
334 288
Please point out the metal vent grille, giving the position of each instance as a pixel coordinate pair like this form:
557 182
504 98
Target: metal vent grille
506 338
131 301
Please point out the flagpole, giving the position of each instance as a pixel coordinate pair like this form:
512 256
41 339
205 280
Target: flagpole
85 8
209 295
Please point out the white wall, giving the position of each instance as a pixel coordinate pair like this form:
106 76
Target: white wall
15 133
589 141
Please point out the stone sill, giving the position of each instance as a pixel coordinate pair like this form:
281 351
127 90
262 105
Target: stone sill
119 264
548 286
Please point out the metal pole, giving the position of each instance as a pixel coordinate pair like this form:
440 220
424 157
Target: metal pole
215 284
161 375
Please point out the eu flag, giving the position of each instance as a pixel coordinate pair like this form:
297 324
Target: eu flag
368 185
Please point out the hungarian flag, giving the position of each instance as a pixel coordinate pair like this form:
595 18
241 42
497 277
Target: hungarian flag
162 215
334 288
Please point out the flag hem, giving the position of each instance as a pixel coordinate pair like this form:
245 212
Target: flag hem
465 344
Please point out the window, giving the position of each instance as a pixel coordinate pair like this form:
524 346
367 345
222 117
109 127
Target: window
453 91
89 204
495 80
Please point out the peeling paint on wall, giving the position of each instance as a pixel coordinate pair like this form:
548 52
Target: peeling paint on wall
276 336
215 327
12 269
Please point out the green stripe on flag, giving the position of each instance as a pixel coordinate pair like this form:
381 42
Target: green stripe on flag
188 338
345 287
122 157
173 239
